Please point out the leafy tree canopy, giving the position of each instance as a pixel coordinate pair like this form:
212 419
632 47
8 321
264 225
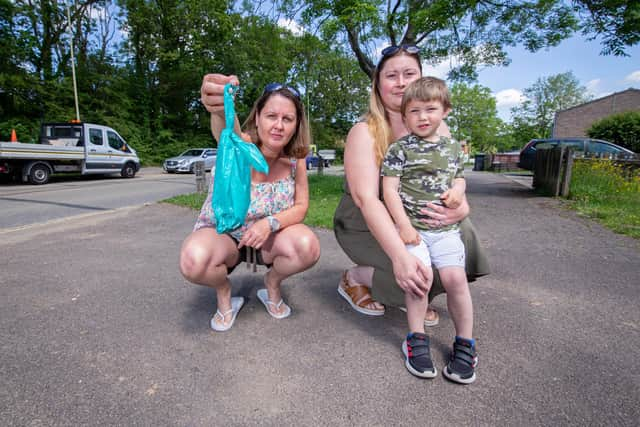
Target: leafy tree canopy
474 116
544 98
475 33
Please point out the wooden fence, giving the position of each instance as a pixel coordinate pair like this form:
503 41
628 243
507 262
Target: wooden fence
552 172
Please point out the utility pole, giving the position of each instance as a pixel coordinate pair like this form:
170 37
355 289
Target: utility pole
73 65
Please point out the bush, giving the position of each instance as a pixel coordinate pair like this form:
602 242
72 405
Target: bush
622 129
608 192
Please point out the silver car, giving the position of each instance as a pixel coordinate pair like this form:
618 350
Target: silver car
185 162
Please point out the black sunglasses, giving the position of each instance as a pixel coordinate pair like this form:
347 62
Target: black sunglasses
393 49
272 87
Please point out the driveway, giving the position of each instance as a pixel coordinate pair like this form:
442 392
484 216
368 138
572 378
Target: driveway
98 327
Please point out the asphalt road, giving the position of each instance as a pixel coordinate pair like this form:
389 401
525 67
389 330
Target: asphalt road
25 204
97 327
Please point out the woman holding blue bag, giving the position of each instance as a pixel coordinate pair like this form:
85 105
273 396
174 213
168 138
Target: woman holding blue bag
272 233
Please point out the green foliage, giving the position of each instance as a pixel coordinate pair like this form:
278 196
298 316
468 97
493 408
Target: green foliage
543 99
622 129
473 32
616 22
146 86
474 116
609 193
325 192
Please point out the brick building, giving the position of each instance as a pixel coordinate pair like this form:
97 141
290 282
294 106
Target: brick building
575 121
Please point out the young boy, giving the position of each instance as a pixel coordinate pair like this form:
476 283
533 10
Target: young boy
419 168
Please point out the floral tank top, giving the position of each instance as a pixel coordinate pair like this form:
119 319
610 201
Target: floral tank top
267 198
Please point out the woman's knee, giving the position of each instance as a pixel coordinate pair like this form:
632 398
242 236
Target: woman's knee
307 247
194 259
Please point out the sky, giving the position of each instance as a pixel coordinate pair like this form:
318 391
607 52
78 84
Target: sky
600 75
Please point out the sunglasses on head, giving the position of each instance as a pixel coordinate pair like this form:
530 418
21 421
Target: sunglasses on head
393 49
272 87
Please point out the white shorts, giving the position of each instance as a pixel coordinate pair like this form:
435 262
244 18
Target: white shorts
443 249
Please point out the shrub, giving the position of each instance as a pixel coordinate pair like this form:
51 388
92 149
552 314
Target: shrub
608 192
622 129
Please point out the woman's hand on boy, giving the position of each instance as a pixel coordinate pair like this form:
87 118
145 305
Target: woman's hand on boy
411 275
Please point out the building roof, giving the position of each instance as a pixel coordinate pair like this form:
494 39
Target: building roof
631 89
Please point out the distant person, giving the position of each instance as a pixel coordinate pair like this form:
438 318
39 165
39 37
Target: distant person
279 202
384 270
426 167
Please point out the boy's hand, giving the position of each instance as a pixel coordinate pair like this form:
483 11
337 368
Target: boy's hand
452 198
409 235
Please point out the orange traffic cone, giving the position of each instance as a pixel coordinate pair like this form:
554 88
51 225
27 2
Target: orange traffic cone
14 138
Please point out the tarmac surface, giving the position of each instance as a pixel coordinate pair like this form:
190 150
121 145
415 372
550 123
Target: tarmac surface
97 327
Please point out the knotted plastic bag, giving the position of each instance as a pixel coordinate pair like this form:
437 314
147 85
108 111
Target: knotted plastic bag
232 180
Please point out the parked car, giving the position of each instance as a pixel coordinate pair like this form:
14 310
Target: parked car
185 162
588 146
313 158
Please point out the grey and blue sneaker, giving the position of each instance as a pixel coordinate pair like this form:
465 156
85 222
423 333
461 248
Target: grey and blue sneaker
418 355
462 363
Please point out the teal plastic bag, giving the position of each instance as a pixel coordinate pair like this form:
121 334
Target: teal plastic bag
232 180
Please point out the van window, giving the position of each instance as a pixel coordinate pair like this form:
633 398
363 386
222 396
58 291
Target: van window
116 142
95 136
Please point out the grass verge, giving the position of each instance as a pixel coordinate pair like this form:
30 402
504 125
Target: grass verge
324 195
607 193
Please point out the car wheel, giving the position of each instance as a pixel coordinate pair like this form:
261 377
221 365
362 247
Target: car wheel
39 174
128 170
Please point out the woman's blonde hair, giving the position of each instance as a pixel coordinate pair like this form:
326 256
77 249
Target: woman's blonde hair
376 118
298 145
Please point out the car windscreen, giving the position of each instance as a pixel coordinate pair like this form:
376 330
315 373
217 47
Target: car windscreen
192 153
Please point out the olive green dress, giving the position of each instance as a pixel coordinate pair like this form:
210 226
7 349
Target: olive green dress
353 235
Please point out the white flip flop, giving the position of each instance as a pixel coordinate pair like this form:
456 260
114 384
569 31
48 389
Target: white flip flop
236 305
263 296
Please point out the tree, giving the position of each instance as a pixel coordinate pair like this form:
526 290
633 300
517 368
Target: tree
616 21
471 31
544 98
474 116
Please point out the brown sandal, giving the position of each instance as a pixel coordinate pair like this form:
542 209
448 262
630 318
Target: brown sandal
358 296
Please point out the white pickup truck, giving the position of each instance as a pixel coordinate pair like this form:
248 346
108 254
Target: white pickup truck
69 147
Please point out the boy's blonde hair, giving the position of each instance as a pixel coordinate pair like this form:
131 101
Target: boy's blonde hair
426 89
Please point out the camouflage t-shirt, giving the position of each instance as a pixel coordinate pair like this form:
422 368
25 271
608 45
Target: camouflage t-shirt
426 170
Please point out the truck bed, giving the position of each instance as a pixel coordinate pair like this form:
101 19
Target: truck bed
18 150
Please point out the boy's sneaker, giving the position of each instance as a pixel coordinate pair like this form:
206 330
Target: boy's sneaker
417 355
462 363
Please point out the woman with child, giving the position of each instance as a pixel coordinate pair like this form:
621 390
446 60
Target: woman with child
362 223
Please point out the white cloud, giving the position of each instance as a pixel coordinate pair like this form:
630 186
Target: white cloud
593 86
291 25
439 70
509 98
633 77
